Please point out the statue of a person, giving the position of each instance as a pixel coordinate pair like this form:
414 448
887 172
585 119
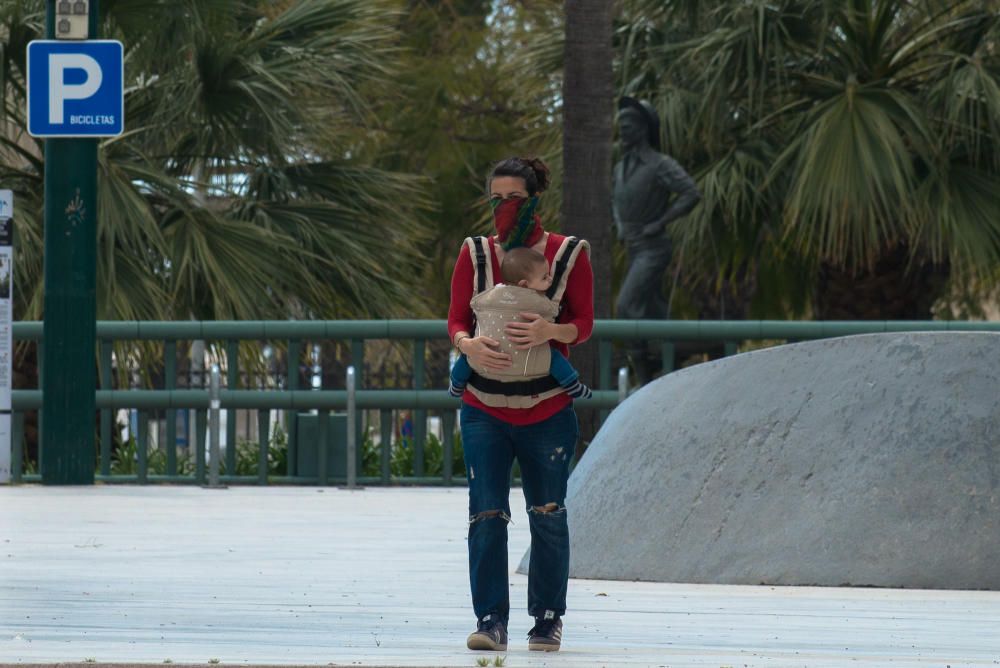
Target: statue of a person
650 191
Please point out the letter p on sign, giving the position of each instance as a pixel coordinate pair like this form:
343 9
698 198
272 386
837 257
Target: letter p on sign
75 89
62 91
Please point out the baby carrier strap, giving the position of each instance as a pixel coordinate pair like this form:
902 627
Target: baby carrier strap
482 264
564 260
517 388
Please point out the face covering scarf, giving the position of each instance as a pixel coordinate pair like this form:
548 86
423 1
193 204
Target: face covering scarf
516 222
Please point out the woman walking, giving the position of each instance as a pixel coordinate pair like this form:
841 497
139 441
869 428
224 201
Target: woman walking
532 421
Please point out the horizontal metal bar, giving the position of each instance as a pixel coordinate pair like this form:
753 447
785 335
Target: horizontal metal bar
276 480
294 329
418 329
721 330
278 399
695 330
29 330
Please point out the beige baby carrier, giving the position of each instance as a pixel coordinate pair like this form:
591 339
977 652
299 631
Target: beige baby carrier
527 381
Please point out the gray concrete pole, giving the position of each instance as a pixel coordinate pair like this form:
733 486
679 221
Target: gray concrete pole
213 428
622 384
352 441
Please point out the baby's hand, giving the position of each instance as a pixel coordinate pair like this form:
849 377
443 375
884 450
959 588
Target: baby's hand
528 334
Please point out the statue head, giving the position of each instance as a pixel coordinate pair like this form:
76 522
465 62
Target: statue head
638 123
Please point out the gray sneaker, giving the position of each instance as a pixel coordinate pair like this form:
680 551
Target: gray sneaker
490 634
546 635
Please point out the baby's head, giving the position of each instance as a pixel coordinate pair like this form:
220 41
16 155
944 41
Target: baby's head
526 268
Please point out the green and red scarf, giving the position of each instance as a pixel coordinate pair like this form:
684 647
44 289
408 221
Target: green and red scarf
516 222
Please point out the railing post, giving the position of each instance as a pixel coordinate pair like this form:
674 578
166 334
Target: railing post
323 445
214 405
419 415
40 348
604 372
197 417
667 350
142 442
385 427
352 436
622 384
447 445
17 446
264 443
292 415
605 350
358 362
107 384
170 383
200 426
232 383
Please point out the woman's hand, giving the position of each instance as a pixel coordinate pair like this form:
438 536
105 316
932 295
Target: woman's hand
536 331
483 351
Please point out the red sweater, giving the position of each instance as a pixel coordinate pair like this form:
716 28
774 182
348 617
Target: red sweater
578 309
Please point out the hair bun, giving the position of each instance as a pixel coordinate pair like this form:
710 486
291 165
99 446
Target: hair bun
534 172
541 170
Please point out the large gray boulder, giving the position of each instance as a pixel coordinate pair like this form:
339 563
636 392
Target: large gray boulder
864 460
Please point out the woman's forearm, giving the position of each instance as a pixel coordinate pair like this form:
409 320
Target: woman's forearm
563 332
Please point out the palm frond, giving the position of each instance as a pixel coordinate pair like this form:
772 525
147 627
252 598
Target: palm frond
851 176
219 92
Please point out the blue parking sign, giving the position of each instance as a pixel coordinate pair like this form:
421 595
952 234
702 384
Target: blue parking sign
75 89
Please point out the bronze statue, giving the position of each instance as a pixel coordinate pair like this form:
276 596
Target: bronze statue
643 204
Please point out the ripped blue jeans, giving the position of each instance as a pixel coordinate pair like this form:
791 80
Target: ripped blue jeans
544 451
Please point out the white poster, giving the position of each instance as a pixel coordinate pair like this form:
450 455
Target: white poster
6 318
6 327
5 448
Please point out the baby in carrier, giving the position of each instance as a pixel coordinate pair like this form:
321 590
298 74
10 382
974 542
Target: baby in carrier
526 278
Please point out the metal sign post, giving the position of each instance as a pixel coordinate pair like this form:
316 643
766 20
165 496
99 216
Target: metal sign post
6 327
75 94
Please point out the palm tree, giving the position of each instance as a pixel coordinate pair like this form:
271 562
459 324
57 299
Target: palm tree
234 192
851 143
237 190
846 151
588 88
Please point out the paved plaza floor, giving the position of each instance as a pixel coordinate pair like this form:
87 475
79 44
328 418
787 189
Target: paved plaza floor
377 577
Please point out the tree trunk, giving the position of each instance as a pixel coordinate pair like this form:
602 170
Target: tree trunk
588 103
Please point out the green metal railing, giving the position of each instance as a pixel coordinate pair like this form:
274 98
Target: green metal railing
420 398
